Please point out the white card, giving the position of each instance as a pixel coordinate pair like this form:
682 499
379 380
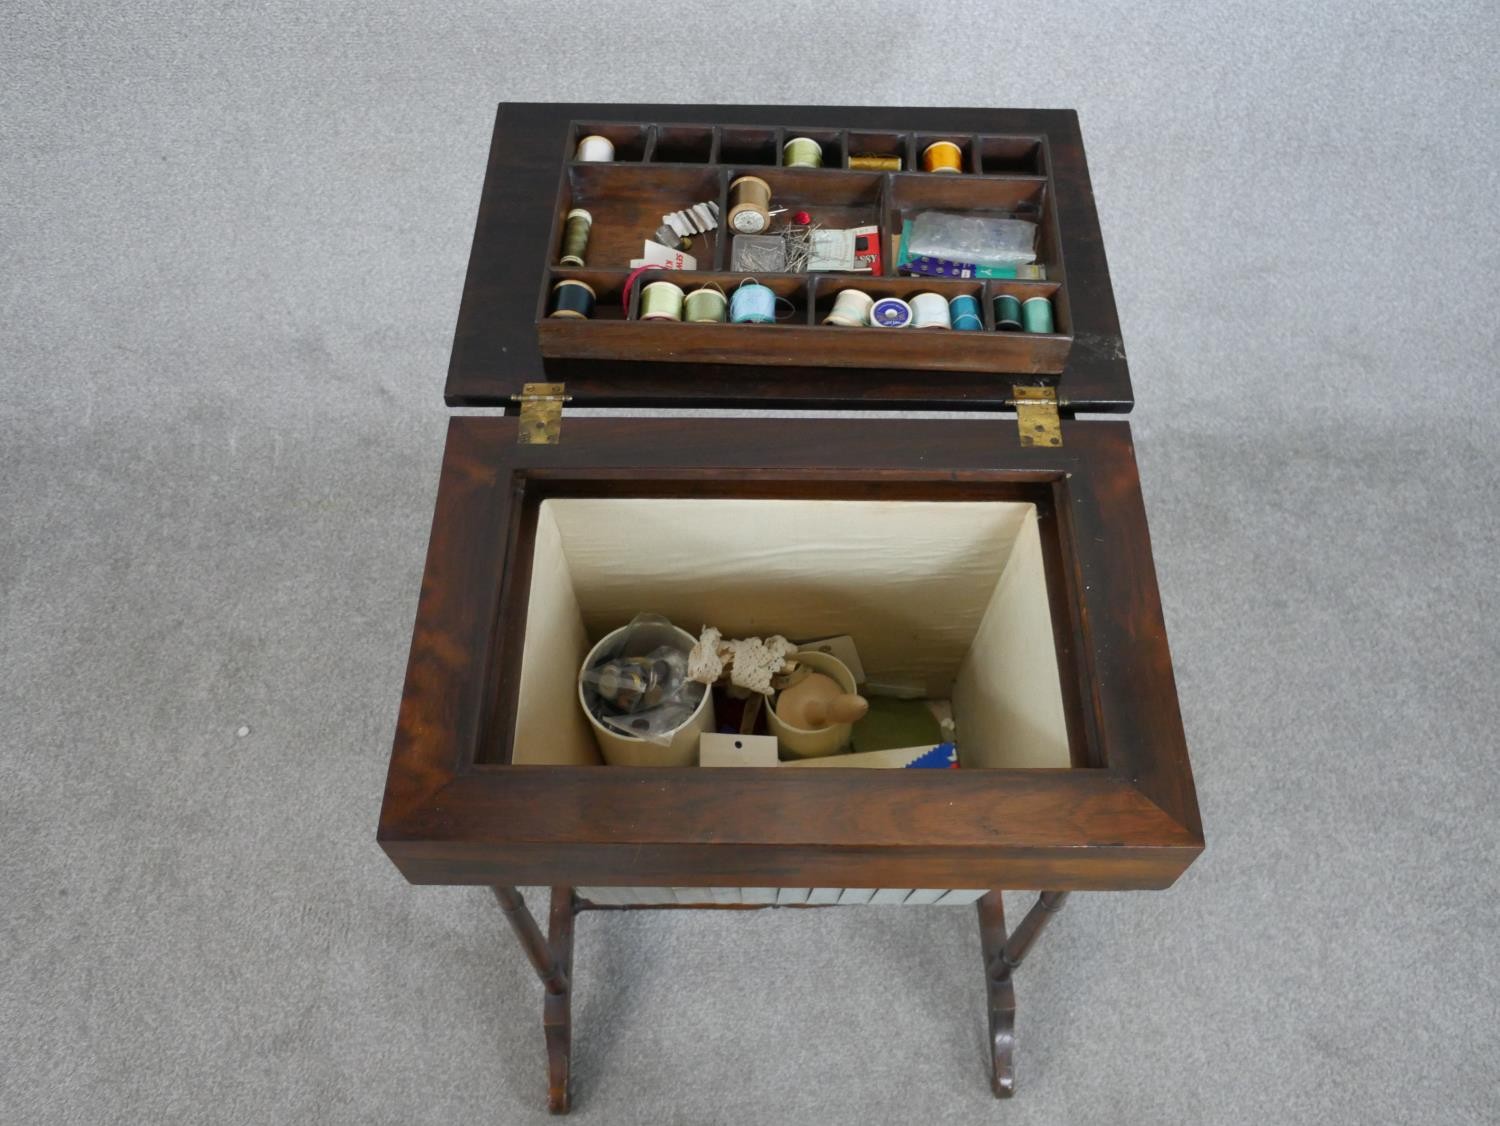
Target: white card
664 256
736 750
842 648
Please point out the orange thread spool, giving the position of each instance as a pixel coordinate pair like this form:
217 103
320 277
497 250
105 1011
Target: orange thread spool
942 156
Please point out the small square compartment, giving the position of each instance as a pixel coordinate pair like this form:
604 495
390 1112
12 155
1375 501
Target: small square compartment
954 605
683 144
829 140
749 144
629 139
1011 155
881 144
965 143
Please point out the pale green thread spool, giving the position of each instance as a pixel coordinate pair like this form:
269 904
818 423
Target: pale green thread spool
575 238
802 152
1036 314
661 301
706 306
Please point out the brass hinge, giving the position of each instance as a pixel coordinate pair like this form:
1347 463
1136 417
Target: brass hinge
541 413
1036 416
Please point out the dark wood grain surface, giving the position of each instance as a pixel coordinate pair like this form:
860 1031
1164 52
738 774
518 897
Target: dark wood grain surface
495 346
455 813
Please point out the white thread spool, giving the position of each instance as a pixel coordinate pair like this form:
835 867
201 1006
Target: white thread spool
851 309
595 148
930 310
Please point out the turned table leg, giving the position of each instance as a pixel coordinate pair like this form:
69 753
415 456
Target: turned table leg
1002 955
552 958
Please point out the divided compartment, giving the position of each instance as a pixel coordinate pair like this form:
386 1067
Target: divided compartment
870 143
684 144
629 138
627 203
969 161
1004 155
955 607
1062 323
831 141
750 144
828 286
854 199
1019 197
791 289
608 287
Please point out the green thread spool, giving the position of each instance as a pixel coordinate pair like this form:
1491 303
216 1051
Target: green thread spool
1007 312
661 301
1036 314
572 299
705 306
802 152
575 238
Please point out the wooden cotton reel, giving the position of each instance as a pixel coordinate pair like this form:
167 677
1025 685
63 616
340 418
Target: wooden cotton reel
802 742
749 205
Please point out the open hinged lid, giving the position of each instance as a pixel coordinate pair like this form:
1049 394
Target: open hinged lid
1024 163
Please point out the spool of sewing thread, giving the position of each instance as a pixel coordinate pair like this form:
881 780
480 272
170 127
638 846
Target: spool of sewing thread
1007 312
930 310
575 238
705 306
574 299
752 304
873 163
890 312
661 301
965 312
802 152
942 156
595 148
851 309
749 205
1036 314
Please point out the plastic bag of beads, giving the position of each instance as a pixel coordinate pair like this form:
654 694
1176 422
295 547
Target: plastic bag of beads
983 240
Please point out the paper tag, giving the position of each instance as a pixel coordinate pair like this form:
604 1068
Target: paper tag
841 648
736 750
664 256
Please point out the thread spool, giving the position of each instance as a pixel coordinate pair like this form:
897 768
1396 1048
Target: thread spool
964 309
930 310
749 205
942 156
661 301
872 162
575 240
595 148
572 299
1007 312
890 312
851 309
705 306
802 152
752 304
1036 314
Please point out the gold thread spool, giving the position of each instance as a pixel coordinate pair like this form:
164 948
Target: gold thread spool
749 205
874 163
942 156
575 238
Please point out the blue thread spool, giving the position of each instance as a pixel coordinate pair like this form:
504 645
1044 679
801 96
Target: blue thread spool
964 310
752 304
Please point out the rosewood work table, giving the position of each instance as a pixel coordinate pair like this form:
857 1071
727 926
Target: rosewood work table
1004 555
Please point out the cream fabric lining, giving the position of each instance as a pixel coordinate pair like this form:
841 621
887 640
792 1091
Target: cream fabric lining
945 597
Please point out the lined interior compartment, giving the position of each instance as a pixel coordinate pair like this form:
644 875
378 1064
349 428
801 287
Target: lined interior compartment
1019 197
946 599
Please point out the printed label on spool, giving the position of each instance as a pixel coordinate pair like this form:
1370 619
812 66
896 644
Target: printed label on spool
890 312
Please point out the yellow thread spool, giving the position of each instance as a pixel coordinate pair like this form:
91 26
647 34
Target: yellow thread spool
872 163
942 156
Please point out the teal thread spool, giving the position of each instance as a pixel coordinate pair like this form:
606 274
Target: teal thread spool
1007 312
661 301
1036 314
705 306
575 240
964 310
572 299
752 304
802 152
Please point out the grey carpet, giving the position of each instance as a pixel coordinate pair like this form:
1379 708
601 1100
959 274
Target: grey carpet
233 240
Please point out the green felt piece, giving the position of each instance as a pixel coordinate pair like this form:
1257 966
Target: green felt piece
892 723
